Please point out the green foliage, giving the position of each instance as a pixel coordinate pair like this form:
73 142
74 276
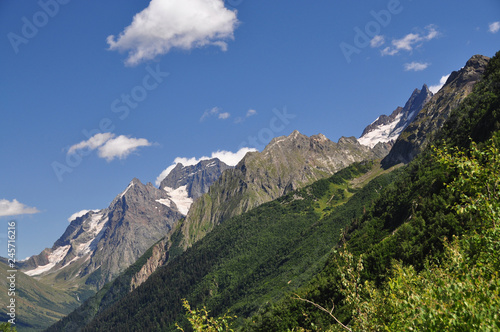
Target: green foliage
7 327
201 322
460 292
476 180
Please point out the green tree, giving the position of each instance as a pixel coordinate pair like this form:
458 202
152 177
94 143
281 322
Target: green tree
201 322
7 327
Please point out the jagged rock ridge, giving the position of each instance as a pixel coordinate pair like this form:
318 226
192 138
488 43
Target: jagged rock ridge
287 163
432 117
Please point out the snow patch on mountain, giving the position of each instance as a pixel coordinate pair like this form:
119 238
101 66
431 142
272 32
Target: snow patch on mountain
125 191
165 201
55 257
181 198
384 133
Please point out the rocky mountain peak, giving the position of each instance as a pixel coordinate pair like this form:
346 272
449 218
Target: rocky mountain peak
388 128
186 183
100 244
435 112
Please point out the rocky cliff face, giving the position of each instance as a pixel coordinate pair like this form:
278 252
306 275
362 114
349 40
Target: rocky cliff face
388 128
286 164
158 258
431 118
197 178
184 184
99 245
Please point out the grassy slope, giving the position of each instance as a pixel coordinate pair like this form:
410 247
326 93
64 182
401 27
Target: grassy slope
38 305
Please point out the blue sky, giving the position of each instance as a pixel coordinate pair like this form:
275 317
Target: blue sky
95 93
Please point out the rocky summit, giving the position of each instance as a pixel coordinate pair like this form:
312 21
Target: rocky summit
388 128
432 117
102 243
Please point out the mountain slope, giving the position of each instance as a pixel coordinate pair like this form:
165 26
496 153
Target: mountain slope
408 223
182 185
250 259
38 305
388 128
286 164
432 117
98 246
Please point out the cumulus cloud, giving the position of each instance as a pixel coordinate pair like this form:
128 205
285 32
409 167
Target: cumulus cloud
377 41
224 115
411 40
110 147
228 157
251 112
415 66
92 143
121 146
14 208
494 27
214 111
437 87
182 24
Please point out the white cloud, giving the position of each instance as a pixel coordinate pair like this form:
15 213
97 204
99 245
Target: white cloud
121 147
79 214
494 27
389 51
377 41
224 116
416 66
110 147
182 24
92 143
215 111
228 157
251 112
442 81
208 113
14 208
410 41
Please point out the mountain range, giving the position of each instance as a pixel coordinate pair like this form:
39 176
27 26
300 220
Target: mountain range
232 254
308 188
